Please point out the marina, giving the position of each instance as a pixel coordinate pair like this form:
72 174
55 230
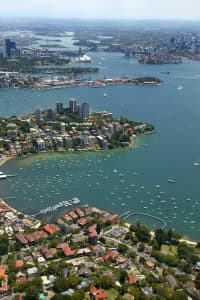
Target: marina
67 203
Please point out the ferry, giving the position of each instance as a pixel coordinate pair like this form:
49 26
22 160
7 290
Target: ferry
180 87
2 175
171 181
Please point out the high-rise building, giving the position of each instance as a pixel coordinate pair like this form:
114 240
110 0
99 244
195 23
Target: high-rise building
85 110
59 107
62 128
8 46
51 114
72 105
78 109
38 113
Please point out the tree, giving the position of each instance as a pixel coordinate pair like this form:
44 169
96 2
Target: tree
78 295
160 236
106 282
98 229
128 235
73 281
61 285
141 247
132 254
179 295
122 248
4 242
123 276
32 293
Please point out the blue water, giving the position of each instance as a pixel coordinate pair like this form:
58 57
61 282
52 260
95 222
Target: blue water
169 153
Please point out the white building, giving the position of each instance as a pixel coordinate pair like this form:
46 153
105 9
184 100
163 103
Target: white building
41 144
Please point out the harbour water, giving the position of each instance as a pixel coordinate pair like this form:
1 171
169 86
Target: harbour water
45 180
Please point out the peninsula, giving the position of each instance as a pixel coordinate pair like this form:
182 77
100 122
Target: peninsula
65 129
50 81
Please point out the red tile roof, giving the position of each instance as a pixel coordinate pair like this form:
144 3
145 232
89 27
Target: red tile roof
19 263
109 255
79 212
98 294
92 227
132 279
68 252
54 227
49 230
36 235
30 238
93 234
82 221
72 214
62 246
42 234
21 238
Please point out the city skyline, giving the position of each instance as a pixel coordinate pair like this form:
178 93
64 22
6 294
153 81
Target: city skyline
126 9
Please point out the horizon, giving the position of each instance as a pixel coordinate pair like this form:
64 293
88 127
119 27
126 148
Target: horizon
114 9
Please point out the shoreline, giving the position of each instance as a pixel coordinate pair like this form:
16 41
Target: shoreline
5 159
131 145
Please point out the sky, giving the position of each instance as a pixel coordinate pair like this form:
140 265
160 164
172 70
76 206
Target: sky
109 9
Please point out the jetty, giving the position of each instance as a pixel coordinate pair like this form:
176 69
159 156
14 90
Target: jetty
128 214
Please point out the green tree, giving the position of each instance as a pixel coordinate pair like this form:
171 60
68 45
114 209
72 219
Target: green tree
4 242
160 236
179 295
106 282
141 247
61 284
32 293
74 280
122 248
123 276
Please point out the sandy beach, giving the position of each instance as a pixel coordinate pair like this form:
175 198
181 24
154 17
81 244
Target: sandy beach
4 159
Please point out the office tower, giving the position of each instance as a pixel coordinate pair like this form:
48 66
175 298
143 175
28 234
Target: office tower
8 46
72 105
85 111
38 113
78 109
59 107
51 114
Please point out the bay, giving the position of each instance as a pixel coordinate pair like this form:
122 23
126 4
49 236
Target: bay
169 153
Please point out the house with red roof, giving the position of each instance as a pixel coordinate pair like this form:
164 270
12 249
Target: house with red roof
82 222
48 253
132 279
92 227
62 246
49 230
79 212
93 237
97 294
73 215
68 252
4 282
30 238
110 255
21 239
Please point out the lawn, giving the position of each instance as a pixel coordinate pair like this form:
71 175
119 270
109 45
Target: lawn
169 249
